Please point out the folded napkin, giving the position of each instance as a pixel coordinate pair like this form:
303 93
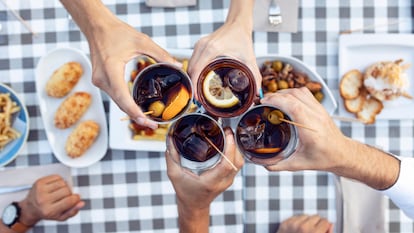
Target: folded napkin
289 12
363 208
170 3
25 176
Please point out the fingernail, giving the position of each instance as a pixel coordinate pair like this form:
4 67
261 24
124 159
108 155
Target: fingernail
145 122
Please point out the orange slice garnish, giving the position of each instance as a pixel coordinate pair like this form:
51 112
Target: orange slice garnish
177 103
267 150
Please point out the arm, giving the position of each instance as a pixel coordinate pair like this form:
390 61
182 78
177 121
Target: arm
233 39
112 44
329 150
195 193
49 198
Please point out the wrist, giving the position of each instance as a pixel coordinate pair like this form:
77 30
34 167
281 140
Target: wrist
241 14
27 216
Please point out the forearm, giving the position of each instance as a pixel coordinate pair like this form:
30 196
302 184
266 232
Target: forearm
90 15
192 220
369 165
241 12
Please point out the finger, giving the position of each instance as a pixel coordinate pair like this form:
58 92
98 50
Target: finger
50 178
66 203
119 92
321 224
59 194
257 75
173 160
159 54
55 185
200 58
238 159
71 212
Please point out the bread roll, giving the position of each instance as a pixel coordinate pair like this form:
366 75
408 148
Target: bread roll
350 84
81 138
64 79
72 109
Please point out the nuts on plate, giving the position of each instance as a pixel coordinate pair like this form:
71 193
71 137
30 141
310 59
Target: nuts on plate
277 75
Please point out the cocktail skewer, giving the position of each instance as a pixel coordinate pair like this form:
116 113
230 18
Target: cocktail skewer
297 124
125 118
18 17
221 153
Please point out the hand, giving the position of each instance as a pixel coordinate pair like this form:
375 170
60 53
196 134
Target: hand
305 224
50 198
316 150
109 54
233 39
195 193
112 44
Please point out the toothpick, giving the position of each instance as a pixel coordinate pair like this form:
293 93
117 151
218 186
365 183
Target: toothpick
125 118
407 95
221 153
346 119
297 124
372 26
18 17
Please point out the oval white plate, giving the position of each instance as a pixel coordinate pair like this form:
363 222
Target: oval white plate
328 101
21 124
48 106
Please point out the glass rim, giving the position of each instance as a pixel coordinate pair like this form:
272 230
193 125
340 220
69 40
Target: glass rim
285 153
157 65
194 166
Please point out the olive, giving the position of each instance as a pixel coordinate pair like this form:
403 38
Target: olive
275 116
272 86
277 66
318 96
237 80
156 107
282 84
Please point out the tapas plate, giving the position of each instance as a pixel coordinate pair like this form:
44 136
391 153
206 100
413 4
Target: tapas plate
20 123
48 106
358 51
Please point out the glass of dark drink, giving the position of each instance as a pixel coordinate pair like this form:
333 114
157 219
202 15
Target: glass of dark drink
226 88
163 91
263 138
193 135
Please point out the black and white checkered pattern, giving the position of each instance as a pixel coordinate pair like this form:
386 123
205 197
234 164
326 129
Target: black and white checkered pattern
129 191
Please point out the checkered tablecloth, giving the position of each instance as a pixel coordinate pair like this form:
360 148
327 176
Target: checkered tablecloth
129 191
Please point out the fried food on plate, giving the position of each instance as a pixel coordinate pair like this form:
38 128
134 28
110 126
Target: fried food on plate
64 79
386 80
72 109
81 138
350 84
370 109
7 108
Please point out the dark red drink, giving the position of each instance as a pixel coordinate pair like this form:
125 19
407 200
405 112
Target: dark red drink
226 88
192 136
263 138
164 91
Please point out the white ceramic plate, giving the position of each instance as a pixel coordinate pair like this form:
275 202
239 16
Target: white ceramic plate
120 136
21 124
48 106
328 101
358 51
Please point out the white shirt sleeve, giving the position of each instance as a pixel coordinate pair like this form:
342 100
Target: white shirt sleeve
402 192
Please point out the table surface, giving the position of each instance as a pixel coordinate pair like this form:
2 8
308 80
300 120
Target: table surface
129 191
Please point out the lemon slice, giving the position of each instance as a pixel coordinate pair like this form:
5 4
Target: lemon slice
216 94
